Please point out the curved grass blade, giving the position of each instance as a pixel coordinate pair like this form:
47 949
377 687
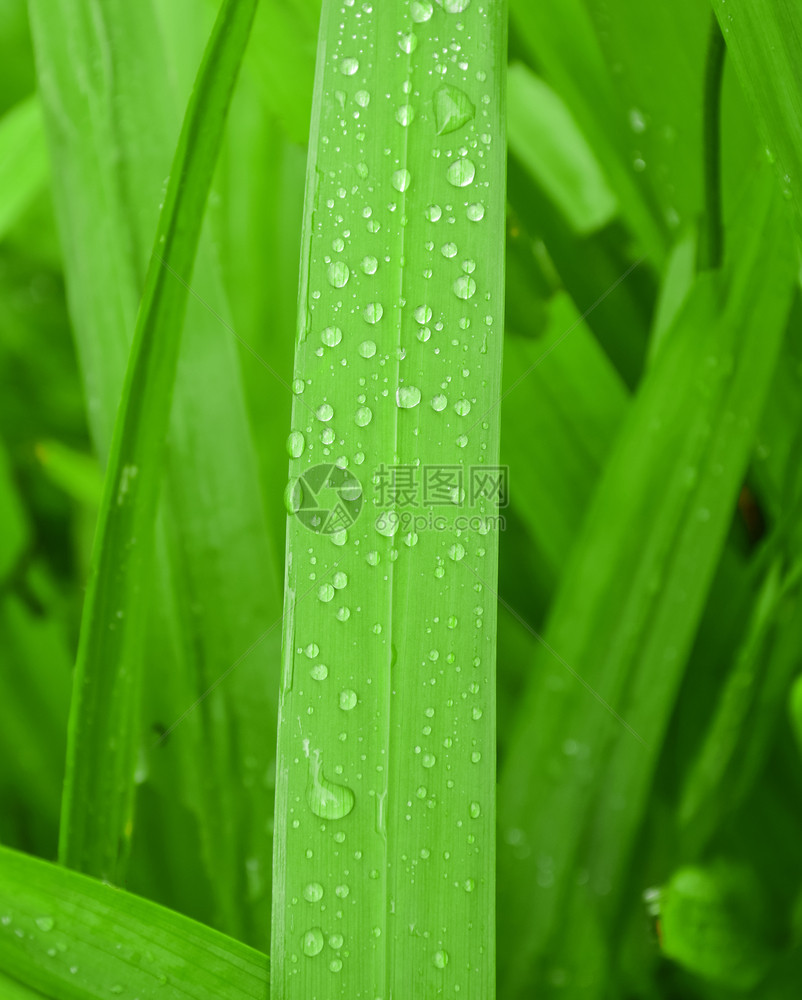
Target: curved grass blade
384 841
23 160
99 784
73 938
574 785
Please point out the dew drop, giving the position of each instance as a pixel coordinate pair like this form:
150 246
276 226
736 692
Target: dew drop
434 213
439 402
347 699
428 760
367 348
408 43
340 580
341 891
452 109
326 593
326 799
455 6
296 443
475 810
441 959
335 941
319 672
313 892
369 265
324 412
373 312
349 66
449 250
401 180
362 98
363 416
423 314
461 173
463 407
45 923
407 396
313 942
475 212
331 336
421 11
464 287
457 551
405 115
339 272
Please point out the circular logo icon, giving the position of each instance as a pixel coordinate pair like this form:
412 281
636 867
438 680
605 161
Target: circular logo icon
325 498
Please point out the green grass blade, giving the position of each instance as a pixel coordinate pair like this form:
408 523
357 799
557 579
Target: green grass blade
73 938
575 780
764 42
546 139
23 160
103 725
384 842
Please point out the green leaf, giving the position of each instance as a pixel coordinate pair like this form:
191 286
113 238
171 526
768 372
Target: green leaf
625 616
103 728
75 473
764 42
545 138
23 160
387 703
73 938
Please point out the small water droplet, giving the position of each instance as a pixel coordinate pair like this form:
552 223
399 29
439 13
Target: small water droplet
457 551
349 66
475 810
461 172
405 115
370 264
463 407
324 412
449 250
326 593
441 959
407 396
475 211
367 348
362 98
45 923
313 942
319 672
423 314
336 941
428 760
439 402
434 213
408 43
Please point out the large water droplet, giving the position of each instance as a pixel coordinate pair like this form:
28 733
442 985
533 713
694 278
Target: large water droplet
455 6
370 264
460 173
347 699
439 402
313 942
421 11
464 287
349 66
362 98
373 312
324 412
313 892
452 109
363 416
331 336
408 42
441 959
296 443
405 115
326 799
401 179
339 272
475 212
433 213
407 396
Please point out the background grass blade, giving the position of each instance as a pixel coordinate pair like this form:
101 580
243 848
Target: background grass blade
68 936
661 530
103 725
23 160
387 706
764 42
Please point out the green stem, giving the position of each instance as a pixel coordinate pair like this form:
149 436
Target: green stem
711 252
